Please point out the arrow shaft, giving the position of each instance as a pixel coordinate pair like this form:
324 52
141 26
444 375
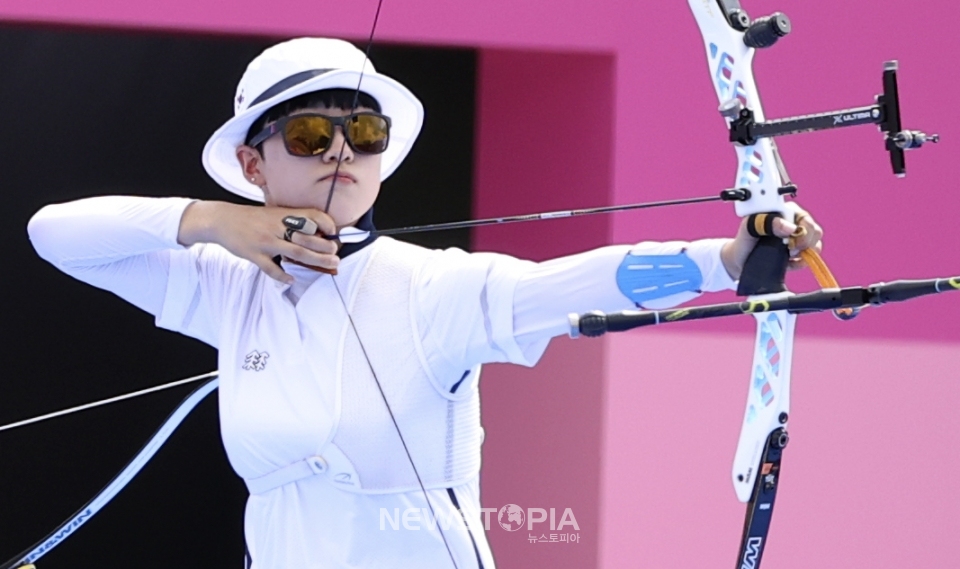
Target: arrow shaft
546 215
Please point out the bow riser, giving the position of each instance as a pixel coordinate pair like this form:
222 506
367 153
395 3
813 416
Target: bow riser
756 466
758 170
731 71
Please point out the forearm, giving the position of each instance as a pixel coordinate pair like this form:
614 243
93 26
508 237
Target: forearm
199 222
106 229
121 244
589 281
731 264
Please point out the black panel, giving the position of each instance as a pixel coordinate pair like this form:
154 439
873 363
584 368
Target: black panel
88 112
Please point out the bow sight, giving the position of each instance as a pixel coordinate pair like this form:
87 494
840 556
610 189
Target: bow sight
745 130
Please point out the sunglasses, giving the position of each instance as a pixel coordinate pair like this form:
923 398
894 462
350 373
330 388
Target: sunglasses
311 134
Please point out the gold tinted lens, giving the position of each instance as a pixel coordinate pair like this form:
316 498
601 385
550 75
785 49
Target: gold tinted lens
368 133
307 136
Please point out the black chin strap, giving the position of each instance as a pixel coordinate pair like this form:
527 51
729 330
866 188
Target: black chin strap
365 223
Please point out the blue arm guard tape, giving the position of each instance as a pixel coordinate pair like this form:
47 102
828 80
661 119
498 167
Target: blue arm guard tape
642 278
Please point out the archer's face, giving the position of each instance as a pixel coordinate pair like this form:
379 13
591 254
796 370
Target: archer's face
293 181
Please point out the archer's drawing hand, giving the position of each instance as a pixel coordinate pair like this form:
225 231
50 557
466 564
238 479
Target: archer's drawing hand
804 233
256 233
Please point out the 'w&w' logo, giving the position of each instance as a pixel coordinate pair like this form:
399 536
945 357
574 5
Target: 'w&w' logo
751 553
255 361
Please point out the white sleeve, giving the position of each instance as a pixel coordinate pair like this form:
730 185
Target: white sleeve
128 246
485 307
463 306
587 281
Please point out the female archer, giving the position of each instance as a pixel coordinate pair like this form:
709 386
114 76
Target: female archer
349 367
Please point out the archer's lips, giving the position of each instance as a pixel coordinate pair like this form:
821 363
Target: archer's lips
341 177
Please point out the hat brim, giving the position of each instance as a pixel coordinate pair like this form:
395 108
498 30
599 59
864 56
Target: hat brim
396 101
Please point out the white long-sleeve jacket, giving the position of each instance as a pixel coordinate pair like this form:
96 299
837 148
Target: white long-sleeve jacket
302 420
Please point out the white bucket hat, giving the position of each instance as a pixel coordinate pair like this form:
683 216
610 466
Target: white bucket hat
300 66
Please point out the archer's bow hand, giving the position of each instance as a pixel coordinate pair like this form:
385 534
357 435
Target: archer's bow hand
802 233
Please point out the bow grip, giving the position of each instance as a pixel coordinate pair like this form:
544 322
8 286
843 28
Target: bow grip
765 270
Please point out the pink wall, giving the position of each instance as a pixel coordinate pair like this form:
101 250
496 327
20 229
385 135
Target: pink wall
867 475
636 433
543 425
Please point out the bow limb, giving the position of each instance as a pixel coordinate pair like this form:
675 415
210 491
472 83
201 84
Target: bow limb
120 481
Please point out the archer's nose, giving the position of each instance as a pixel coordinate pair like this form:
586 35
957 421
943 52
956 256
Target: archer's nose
339 150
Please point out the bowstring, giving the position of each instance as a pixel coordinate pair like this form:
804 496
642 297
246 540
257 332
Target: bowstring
336 285
353 106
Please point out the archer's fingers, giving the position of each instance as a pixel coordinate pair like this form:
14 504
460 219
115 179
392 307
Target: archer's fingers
796 263
803 242
783 228
804 234
325 223
812 232
314 243
273 270
306 256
